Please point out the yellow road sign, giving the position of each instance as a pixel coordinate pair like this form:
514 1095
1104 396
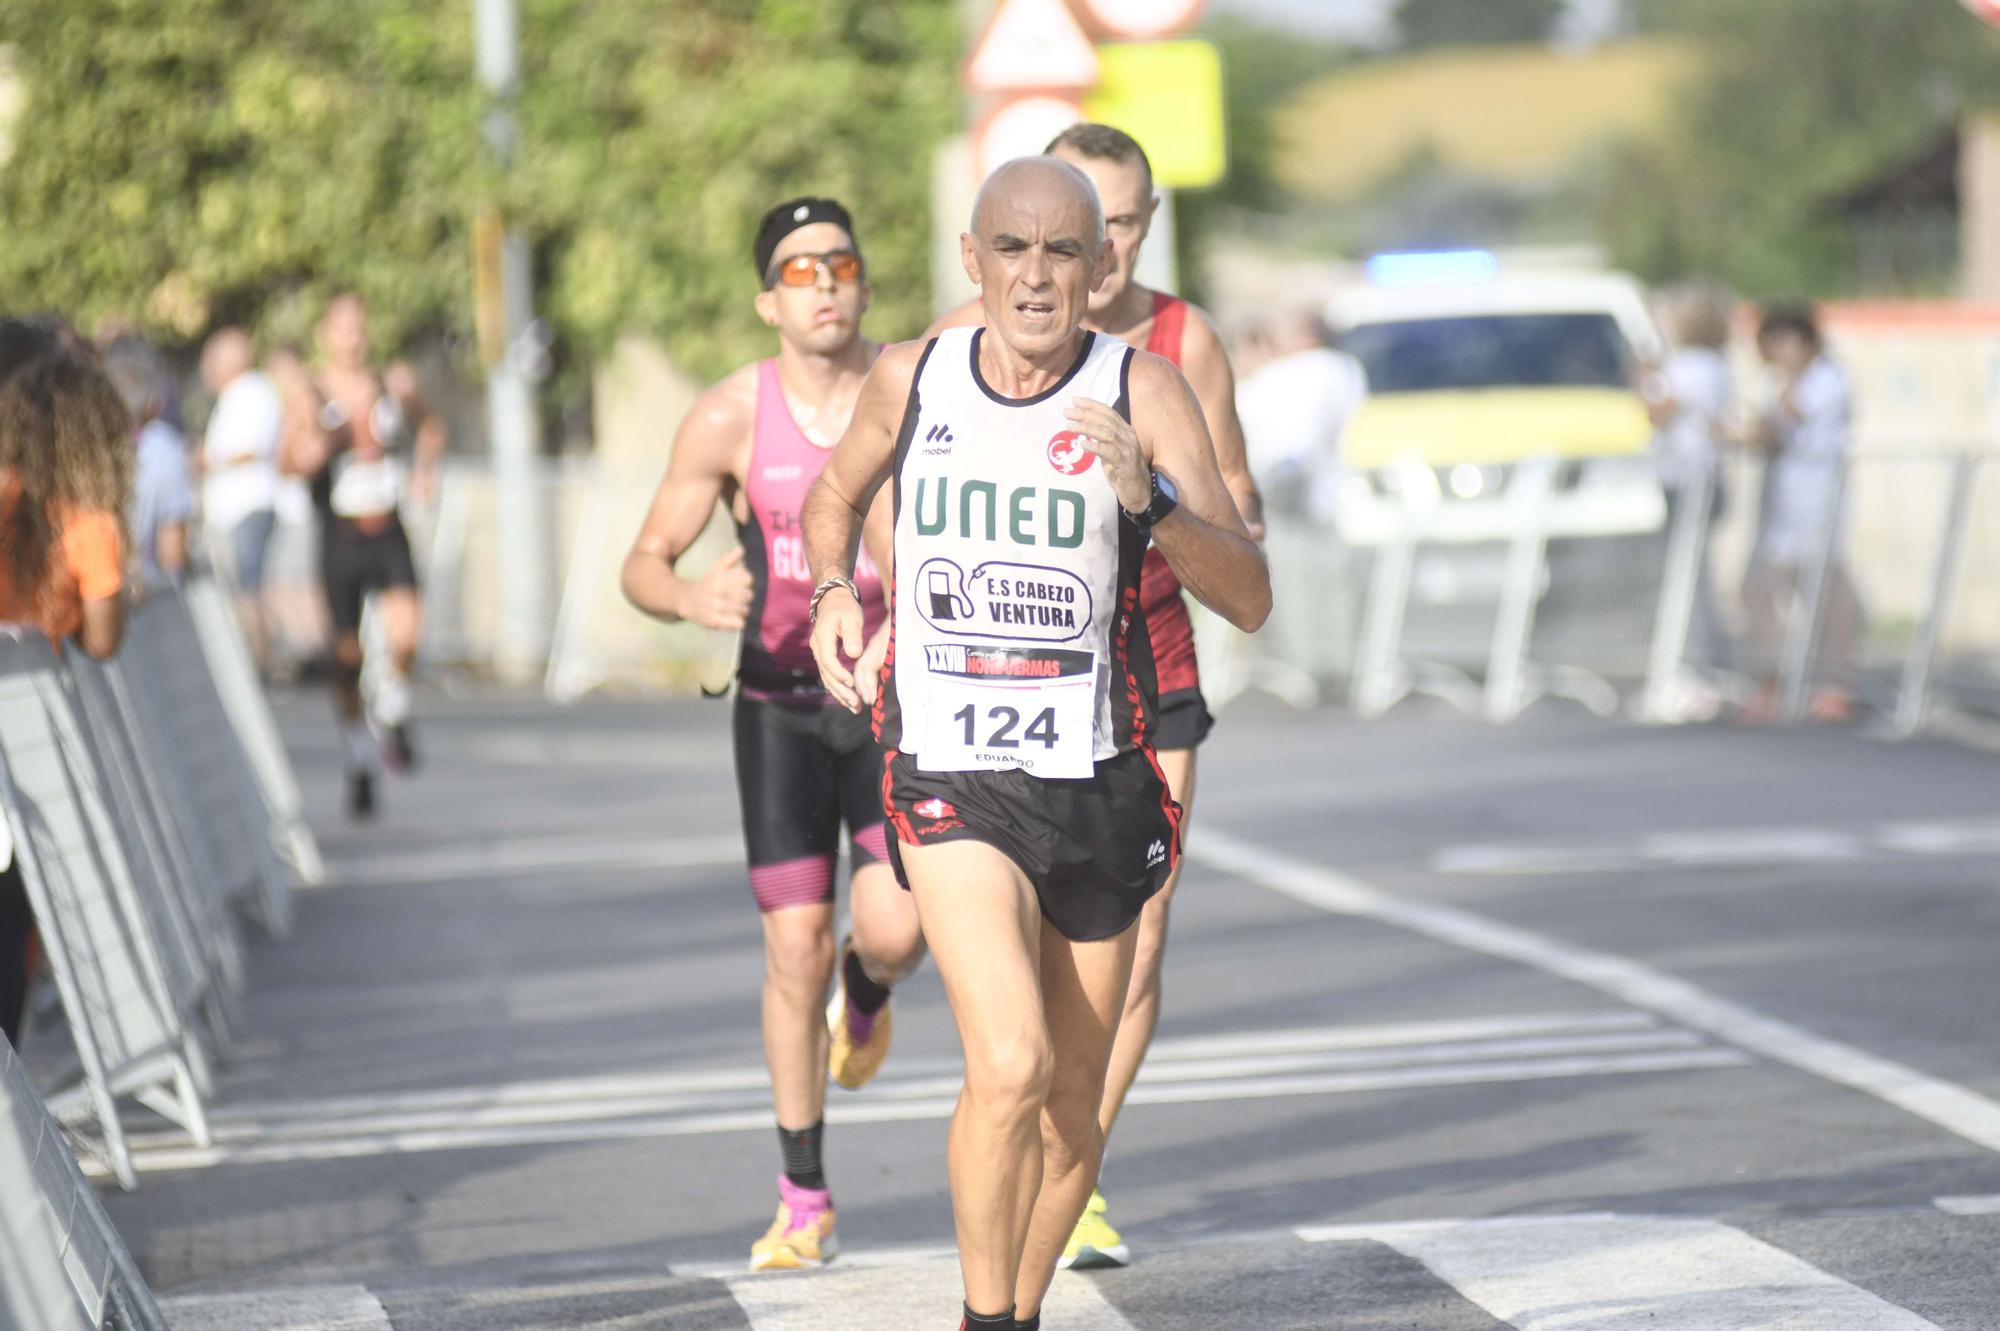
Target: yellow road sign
1168 96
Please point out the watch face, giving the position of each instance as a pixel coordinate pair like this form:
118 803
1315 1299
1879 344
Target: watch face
1167 487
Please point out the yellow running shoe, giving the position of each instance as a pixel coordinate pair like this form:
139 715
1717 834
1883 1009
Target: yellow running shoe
801 1238
853 1063
1093 1244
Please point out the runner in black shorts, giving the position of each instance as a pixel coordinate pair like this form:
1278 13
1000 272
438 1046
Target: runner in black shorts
1031 460
804 767
372 444
1184 334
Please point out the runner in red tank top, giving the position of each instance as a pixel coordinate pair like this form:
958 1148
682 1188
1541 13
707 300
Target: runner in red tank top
1167 326
804 766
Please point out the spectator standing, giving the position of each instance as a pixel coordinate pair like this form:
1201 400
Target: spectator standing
65 478
1295 406
1804 433
162 487
1691 400
240 471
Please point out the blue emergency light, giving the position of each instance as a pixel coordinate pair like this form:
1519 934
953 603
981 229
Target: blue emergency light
1432 268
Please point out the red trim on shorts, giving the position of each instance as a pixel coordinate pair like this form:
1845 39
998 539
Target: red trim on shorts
1173 810
904 832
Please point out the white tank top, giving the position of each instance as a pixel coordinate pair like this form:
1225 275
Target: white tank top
1018 638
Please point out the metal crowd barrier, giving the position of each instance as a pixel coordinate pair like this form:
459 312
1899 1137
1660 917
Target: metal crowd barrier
140 811
1944 569
62 1266
1937 535
234 675
182 704
128 978
1532 512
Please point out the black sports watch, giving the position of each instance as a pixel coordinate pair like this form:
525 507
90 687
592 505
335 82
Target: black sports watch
1166 498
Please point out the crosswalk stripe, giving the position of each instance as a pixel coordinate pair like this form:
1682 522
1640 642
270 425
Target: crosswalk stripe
1978 1204
313 1308
917 1295
573 1128
1636 1273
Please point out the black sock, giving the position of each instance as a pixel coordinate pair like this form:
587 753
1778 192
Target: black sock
801 1148
1032 1324
863 994
973 1319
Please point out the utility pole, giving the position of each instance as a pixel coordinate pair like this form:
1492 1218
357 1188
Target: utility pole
514 355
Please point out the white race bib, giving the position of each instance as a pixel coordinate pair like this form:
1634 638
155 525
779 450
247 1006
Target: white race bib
993 708
366 489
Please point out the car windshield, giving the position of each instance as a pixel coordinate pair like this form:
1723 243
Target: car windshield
1491 351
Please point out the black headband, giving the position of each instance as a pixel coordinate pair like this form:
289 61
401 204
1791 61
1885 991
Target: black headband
788 217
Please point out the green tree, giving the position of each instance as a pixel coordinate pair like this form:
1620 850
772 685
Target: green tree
1797 102
1427 23
182 162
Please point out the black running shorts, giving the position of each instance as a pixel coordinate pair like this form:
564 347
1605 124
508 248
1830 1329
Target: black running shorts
1181 721
1096 849
802 769
355 561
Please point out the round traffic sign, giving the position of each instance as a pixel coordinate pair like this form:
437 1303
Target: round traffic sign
1142 19
1021 127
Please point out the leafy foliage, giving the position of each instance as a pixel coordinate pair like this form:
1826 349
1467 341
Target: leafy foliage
183 162
1427 23
1798 102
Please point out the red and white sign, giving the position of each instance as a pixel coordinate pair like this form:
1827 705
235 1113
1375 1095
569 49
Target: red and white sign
1068 456
1021 128
1031 45
1143 20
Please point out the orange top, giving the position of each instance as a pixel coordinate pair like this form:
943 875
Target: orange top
87 565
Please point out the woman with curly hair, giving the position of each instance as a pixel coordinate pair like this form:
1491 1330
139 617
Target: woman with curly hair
65 477
65 481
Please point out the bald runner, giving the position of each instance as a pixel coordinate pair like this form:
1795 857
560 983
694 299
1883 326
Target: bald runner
1182 333
1031 460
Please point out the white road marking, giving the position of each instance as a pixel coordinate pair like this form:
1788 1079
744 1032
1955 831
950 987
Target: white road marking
1631 1273
1165 1052
537 855
738 1101
1727 846
322 1308
911 1294
750 1088
850 1259
1751 846
1988 1204
1953 1107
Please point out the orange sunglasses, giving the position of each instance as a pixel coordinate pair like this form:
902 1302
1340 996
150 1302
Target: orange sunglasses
802 270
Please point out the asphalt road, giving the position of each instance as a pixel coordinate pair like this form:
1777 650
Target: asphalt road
1565 1024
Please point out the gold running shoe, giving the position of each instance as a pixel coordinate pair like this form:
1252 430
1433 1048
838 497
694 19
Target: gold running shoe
853 1063
801 1238
1093 1244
